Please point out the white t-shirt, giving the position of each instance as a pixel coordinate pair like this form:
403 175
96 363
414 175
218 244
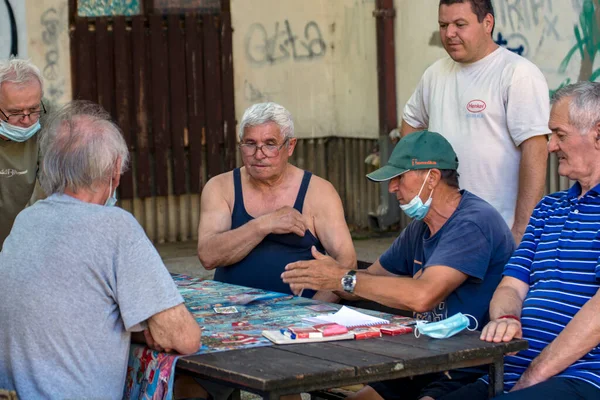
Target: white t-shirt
486 110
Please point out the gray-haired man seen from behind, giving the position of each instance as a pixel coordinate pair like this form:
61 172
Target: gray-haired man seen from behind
80 277
21 90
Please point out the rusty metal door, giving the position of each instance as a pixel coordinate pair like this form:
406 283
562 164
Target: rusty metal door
167 79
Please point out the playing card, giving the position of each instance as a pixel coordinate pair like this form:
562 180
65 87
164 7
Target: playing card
321 307
225 310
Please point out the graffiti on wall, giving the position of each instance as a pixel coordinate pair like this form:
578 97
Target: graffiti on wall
517 44
50 30
9 33
561 37
264 47
518 19
12 24
587 36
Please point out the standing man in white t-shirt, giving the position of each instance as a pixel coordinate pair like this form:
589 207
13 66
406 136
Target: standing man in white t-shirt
493 107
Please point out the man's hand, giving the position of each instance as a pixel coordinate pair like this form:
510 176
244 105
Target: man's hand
286 220
526 380
502 330
152 343
322 273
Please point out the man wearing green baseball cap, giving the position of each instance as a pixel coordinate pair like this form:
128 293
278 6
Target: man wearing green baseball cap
447 261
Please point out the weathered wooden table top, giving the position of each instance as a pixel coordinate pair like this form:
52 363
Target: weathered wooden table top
286 369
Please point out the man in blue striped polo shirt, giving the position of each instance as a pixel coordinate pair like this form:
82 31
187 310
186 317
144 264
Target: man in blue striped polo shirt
550 291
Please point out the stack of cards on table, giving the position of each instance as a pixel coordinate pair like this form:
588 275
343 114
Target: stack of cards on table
316 331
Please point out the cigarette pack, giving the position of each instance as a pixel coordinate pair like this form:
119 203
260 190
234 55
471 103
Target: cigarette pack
394 330
304 332
331 329
366 333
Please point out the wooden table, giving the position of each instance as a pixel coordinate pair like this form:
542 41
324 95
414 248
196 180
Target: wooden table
286 369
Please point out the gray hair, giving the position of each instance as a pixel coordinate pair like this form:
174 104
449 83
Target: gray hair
80 146
263 113
19 71
584 109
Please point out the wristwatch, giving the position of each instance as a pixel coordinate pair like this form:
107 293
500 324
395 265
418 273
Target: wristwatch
349 281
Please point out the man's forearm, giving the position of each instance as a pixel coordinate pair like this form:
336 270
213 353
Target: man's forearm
229 247
578 338
400 292
506 301
405 128
532 178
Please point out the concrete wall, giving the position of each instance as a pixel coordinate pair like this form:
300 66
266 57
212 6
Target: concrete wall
540 30
48 46
315 57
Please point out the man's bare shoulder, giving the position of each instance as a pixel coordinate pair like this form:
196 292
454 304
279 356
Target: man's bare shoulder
220 185
222 178
321 189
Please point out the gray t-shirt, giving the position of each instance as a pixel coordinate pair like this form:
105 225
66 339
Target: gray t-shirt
76 280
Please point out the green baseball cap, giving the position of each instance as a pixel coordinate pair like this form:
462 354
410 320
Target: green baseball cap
418 150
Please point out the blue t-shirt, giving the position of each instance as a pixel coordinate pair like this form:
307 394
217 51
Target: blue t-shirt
559 258
474 240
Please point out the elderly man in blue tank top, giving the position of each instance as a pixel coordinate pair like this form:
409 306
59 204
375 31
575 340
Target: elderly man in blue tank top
447 261
550 293
256 219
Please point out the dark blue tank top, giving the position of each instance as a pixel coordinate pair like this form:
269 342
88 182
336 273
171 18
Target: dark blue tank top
262 267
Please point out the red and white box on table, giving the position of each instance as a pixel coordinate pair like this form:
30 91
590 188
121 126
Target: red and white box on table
366 332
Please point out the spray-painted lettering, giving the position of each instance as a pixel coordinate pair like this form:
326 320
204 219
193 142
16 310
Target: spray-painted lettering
283 44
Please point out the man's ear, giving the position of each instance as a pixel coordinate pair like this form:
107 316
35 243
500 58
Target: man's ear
117 173
488 23
291 145
596 134
434 178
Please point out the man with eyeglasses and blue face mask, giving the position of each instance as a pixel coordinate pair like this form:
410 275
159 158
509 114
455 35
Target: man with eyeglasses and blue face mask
447 262
21 90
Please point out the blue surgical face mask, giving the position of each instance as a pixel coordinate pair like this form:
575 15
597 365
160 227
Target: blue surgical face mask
112 199
415 208
18 133
445 328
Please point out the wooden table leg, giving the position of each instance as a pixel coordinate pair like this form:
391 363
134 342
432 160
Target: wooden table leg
496 372
272 396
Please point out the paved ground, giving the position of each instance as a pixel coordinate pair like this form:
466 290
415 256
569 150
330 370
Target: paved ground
181 257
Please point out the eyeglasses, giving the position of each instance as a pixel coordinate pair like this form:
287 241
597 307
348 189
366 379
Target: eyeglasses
269 150
33 116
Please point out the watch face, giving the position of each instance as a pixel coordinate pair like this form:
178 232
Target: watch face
348 282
